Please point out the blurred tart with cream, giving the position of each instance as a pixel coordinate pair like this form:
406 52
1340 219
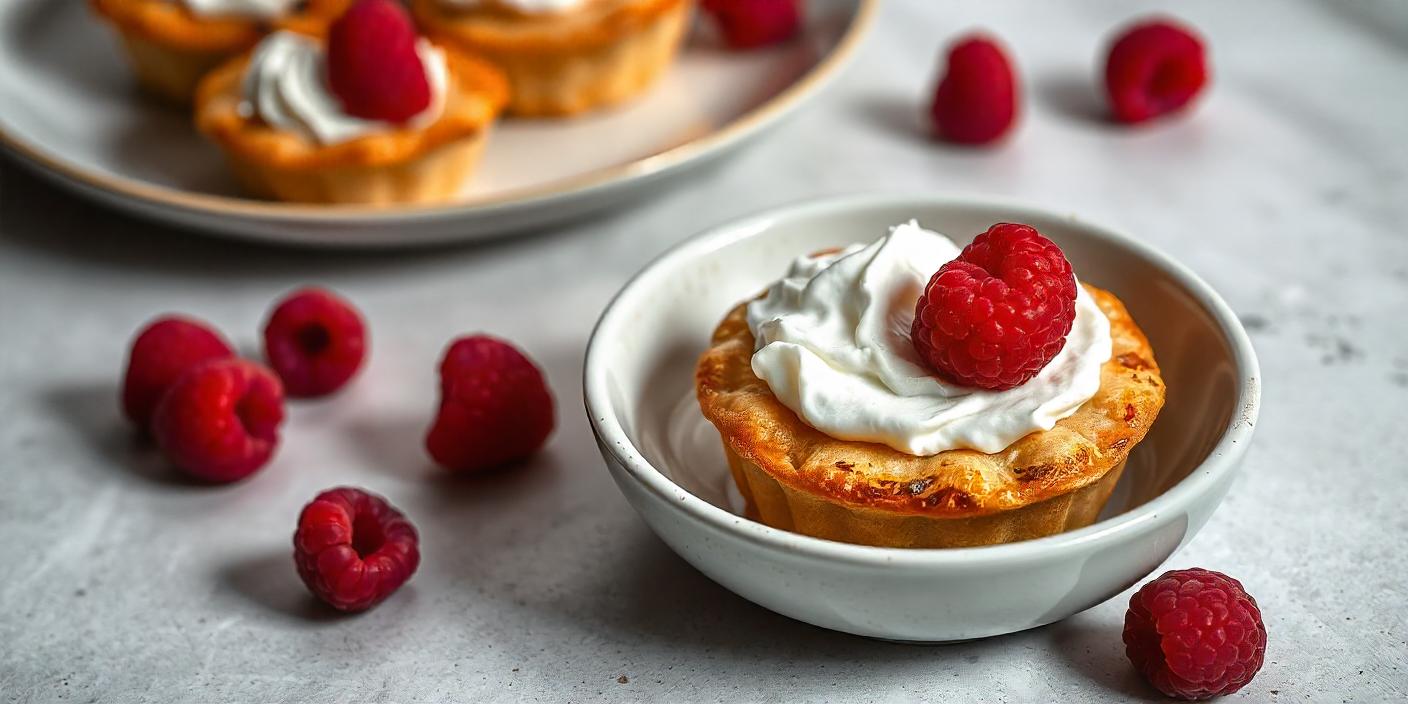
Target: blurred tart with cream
564 57
373 114
908 394
171 44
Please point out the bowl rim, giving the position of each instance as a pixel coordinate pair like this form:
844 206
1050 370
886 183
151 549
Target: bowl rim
1223 458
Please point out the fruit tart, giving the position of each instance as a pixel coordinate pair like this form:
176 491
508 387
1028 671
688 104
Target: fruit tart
371 114
565 57
171 44
908 394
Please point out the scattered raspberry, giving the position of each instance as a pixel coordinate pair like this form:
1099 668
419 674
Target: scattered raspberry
315 341
164 349
993 317
746 24
976 101
353 549
373 67
220 420
1195 634
495 407
1154 68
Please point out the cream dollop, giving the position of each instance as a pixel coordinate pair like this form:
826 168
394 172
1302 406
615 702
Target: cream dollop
286 86
833 344
527 7
258 9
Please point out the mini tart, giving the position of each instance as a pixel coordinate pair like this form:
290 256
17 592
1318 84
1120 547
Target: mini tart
171 49
405 165
797 478
601 53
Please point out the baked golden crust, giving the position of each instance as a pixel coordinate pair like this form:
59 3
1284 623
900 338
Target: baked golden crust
494 29
476 93
1078 452
172 25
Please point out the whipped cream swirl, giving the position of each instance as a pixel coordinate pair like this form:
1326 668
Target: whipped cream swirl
257 9
527 7
833 344
286 86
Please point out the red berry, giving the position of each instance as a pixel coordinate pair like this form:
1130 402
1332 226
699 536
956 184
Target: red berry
495 407
164 349
353 549
993 317
315 341
976 101
1195 634
746 24
1154 68
373 66
220 420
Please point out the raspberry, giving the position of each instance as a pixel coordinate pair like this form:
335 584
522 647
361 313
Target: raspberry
976 101
164 349
495 407
746 24
373 66
315 341
1154 68
220 420
353 549
1194 634
993 317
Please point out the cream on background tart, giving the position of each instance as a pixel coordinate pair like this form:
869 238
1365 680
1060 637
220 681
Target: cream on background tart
837 425
345 120
564 57
171 44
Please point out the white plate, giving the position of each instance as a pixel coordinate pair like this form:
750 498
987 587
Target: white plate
665 458
68 108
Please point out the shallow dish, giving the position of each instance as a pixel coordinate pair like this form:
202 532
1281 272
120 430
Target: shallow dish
667 461
68 108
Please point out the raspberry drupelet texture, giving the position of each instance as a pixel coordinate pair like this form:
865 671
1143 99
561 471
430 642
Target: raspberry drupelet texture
315 341
1195 634
746 24
161 352
1154 68
495 407
976 101
353 549
373 65
220 421
999 312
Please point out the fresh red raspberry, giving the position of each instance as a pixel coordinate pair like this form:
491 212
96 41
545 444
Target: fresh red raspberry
495 407
1153 68
315 341
220 420
353 549
164 349
373 67
1195 634
746 24
977 98
993 317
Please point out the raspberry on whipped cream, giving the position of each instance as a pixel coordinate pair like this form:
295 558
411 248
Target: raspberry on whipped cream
833 344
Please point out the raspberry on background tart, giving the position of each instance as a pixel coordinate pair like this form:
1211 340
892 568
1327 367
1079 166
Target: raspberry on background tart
836 424
371 114
564 57
171 44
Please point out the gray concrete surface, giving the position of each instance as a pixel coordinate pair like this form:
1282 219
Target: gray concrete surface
1287 190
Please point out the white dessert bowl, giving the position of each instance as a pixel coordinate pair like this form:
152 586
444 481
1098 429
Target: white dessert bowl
667 461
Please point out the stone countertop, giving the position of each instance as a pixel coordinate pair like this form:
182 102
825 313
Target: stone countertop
1287 190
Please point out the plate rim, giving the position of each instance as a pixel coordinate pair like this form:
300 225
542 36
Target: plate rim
144 193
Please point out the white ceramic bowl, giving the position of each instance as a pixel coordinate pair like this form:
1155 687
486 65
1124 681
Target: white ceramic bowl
665 457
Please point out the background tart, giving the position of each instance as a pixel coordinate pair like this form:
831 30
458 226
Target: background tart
564 63
797 478
407 164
